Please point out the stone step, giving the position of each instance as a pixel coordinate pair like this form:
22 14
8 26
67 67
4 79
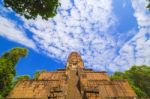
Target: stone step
72 86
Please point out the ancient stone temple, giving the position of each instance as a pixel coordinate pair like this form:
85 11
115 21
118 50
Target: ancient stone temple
73 82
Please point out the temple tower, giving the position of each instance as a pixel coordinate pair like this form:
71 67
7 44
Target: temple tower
74 61
74 64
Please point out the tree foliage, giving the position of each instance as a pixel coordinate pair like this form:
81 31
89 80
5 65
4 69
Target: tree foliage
138 77
24 77
8 62
37 73
148 6
30 9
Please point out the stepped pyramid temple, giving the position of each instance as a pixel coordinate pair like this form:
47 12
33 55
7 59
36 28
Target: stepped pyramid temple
74 82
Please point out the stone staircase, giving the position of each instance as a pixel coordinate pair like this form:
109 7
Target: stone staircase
73 92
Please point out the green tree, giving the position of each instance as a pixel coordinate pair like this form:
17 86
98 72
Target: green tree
37 73
30 9
8 62
138 77
24 77
148 6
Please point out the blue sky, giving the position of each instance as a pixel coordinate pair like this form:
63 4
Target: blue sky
110 35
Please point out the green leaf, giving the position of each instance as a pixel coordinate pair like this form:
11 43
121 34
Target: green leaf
30 9
138 77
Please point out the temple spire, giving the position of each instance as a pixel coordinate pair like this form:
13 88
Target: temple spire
75 61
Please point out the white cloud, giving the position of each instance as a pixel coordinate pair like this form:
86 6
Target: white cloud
136 51
82 26
141 13
9 30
